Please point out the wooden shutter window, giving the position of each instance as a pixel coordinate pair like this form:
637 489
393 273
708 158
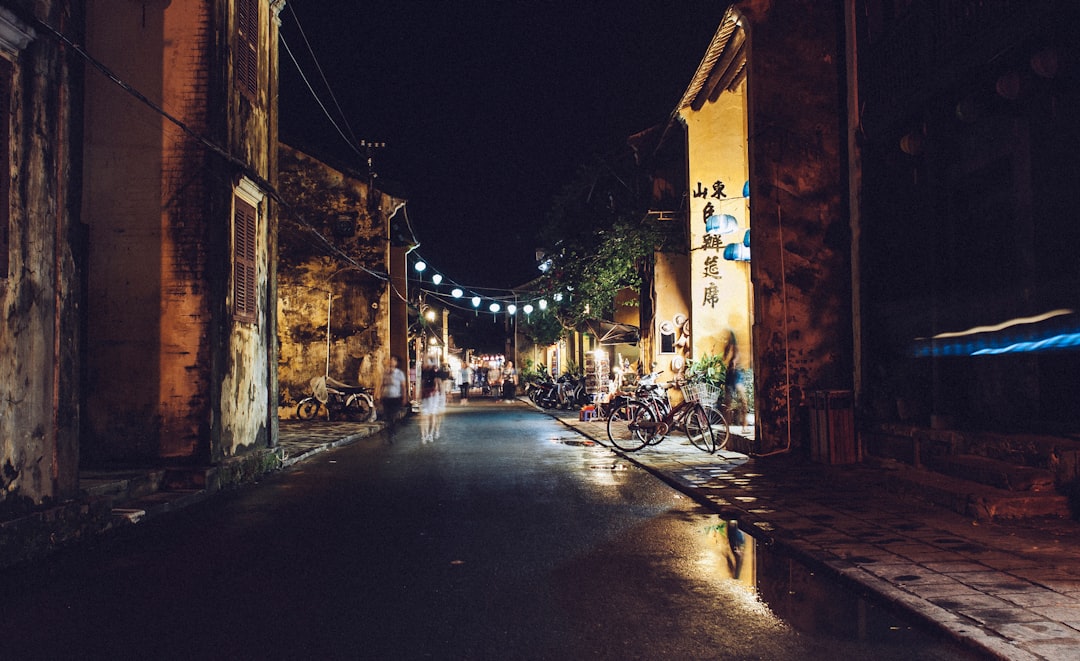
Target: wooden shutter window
247 46
245 292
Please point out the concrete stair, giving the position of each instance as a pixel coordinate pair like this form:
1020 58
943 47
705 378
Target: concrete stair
972 498
982 475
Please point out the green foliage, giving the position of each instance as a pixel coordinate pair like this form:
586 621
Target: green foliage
710 368
541 328
598 238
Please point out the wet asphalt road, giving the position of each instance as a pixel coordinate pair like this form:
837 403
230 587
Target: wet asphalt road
504 539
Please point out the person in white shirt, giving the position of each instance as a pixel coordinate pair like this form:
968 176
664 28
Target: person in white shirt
392 395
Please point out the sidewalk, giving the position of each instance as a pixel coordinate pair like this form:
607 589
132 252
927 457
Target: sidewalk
1009 589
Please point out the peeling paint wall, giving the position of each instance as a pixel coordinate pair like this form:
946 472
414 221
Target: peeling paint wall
39 349
333 314
801 243
171 374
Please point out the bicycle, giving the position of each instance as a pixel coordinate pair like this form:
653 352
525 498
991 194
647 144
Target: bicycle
356 402
640 421
710 396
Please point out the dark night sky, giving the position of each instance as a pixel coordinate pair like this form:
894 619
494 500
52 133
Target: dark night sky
486 106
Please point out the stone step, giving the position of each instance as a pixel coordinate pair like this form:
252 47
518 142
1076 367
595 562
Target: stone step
157 503
995 473
120 484
975 499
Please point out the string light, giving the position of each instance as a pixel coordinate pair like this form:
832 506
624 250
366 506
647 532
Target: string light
500 296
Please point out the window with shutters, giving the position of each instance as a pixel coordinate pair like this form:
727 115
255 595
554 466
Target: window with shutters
245 289
5 165
247 46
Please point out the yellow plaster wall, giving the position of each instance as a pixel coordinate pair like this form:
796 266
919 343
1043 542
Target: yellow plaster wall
721 290
671 305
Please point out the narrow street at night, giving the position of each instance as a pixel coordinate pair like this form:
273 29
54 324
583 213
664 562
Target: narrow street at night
509 537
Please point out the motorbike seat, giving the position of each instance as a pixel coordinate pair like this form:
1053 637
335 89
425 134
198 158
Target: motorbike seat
346 388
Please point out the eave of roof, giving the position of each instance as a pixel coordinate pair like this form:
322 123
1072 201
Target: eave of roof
722 68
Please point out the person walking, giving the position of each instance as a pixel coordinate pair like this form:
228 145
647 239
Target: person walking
392 395
466 377
431 399
509 381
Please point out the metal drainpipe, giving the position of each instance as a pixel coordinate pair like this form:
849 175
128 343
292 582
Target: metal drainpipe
57 284
787 338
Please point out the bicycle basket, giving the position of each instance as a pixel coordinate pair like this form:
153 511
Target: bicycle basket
318 388
705 393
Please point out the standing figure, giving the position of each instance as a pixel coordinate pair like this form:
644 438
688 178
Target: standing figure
442 377
735 399
430 399
509 381
392 395
465 382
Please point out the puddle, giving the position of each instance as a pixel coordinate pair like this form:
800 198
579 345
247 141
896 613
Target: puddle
815 602
575 441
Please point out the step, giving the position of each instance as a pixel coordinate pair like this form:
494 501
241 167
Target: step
136 510
120 484
975 499
995 473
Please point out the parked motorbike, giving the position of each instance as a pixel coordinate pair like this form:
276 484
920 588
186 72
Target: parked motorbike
337 398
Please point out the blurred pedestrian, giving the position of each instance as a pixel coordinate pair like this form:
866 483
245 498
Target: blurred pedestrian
465 381
430 398
509 381
392 395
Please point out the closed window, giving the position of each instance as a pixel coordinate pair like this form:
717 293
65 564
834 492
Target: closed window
247 46
245 294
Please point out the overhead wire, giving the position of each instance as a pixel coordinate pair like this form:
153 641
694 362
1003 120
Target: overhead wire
315 235
322 74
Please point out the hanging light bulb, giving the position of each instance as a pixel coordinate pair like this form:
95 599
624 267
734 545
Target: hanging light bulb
542 303
456 293
528 308
437 278
511 309
476 301
494 307
420 266
557 296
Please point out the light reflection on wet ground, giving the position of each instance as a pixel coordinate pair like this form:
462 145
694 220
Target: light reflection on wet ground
772 586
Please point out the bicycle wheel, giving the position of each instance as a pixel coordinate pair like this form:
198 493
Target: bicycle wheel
630 426
720 429
698 429
307 408
359 408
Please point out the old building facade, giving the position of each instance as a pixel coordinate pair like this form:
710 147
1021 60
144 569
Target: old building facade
180 360
341 278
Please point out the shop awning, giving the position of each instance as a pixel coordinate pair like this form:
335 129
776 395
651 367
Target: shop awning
610 332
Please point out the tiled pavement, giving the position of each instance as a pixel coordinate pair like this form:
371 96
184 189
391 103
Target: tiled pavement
1010 590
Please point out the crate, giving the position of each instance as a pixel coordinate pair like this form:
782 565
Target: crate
587 413
832 427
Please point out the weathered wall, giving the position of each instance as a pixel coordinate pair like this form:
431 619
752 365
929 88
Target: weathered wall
801 246
316 287
39 290
245 364
170 373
